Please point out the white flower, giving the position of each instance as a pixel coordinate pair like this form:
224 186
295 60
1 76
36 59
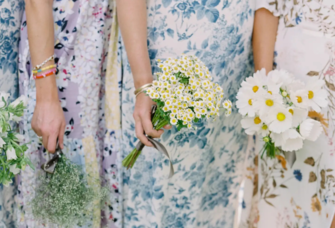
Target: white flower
317 96
20 138
251 125
14 169
310 129
11 154
298 115
14 118
289 140
173 121
264 130
22 99
281 77
7 182
245 103
256 82
299 98
267 102
279 119
3 96
2 142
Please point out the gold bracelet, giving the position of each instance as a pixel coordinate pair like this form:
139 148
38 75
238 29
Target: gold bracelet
142 88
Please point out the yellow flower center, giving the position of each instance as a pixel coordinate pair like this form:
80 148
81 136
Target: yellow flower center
257 120
250 102
255 89
310 94
281 116
299 99
265 127
291 111
269 102
270 92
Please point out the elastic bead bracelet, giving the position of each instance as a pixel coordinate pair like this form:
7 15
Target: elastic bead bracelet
44 69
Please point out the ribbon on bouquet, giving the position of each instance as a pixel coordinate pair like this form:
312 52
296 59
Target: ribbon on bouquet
50 165
157 145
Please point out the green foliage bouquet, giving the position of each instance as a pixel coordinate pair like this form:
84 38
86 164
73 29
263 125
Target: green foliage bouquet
12 157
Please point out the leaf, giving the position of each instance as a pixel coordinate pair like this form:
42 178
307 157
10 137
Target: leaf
212 15
271 196
310 161
283 186
200 13
313 73
204 44
330 85
166 3
212 3
312 177
269 203
170 32
274 184
329 170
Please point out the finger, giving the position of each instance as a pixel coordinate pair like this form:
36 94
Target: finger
61 136
148 128
52 141
36 129
140 135
167 127
45 139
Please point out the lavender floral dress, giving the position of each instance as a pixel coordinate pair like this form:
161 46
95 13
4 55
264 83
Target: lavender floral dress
82 33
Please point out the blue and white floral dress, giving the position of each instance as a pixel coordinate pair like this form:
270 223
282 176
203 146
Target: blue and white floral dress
10 17
210 163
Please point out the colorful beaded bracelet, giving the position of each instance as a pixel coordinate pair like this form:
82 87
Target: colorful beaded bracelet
44 69
45 74
45 62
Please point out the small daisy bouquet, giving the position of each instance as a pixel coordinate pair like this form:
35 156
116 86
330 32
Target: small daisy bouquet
12 149
184 94
283 110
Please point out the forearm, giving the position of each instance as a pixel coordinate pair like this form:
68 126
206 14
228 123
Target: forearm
40 28
264 39
132 16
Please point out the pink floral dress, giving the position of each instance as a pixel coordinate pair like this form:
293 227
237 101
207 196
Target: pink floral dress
302 196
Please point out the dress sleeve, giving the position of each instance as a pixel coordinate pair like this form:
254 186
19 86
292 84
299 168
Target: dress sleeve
274 6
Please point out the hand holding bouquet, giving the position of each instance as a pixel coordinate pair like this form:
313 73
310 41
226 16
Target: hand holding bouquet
282 110
13 159
184 94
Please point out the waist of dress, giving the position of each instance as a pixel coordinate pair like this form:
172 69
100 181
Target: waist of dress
312 29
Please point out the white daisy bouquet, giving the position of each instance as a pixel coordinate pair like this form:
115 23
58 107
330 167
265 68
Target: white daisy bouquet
283 110
184 94
12 157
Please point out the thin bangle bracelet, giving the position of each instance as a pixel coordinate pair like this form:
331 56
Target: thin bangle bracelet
37 67
142 88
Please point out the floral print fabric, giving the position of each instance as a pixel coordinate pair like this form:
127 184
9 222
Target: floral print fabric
209 162
10 18
302 195
83 30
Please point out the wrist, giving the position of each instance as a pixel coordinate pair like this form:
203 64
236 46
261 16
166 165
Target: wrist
46 89
142 81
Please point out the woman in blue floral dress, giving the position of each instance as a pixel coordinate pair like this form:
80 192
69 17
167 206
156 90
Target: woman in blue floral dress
10 17
210 163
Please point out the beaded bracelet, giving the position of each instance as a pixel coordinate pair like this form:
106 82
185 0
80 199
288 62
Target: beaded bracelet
142 88
44 69
45 74
45 62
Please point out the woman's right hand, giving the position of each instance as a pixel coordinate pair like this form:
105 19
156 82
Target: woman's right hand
48 120
142 116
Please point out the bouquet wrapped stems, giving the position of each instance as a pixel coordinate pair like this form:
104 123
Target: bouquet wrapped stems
158 121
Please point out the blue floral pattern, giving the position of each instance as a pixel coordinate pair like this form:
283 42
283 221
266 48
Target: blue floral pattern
209 162
10 18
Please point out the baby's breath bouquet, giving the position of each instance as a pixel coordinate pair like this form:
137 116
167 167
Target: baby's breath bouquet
184 94
64 198
282 109
13 159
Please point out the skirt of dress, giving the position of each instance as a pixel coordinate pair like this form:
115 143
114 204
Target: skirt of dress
303 195
10 20
83 30
209 162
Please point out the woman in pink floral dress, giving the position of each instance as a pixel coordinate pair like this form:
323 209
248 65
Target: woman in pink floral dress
73 100
303 43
